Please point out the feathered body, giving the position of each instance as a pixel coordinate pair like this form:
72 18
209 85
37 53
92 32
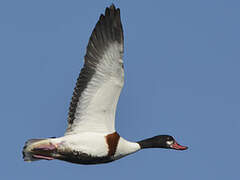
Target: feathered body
91 137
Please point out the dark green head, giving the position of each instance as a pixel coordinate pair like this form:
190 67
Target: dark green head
161 141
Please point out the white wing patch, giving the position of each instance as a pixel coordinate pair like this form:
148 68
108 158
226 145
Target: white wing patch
97 105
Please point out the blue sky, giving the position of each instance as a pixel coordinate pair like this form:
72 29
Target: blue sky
182 71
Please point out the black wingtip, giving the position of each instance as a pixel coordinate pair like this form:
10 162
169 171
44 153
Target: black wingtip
110 11
112 6
108 30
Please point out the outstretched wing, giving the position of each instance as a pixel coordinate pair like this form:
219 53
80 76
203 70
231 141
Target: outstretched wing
101 79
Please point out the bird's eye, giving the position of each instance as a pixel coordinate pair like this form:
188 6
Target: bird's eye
169 139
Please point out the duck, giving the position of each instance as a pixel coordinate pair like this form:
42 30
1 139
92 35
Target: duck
90 137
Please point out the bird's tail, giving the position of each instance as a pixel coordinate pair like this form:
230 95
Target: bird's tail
37 149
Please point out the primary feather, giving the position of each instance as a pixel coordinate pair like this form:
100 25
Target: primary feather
101 79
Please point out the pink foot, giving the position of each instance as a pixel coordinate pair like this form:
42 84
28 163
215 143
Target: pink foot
44 151
43 157
46 147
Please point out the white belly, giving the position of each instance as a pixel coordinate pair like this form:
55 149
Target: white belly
93 144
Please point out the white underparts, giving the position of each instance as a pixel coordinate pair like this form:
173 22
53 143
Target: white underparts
125 148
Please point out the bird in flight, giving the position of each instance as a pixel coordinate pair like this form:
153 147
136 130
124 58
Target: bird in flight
91 137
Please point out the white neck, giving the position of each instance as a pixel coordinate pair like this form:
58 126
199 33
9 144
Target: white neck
125 147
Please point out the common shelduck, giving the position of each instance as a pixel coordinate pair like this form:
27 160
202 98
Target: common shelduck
90 137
